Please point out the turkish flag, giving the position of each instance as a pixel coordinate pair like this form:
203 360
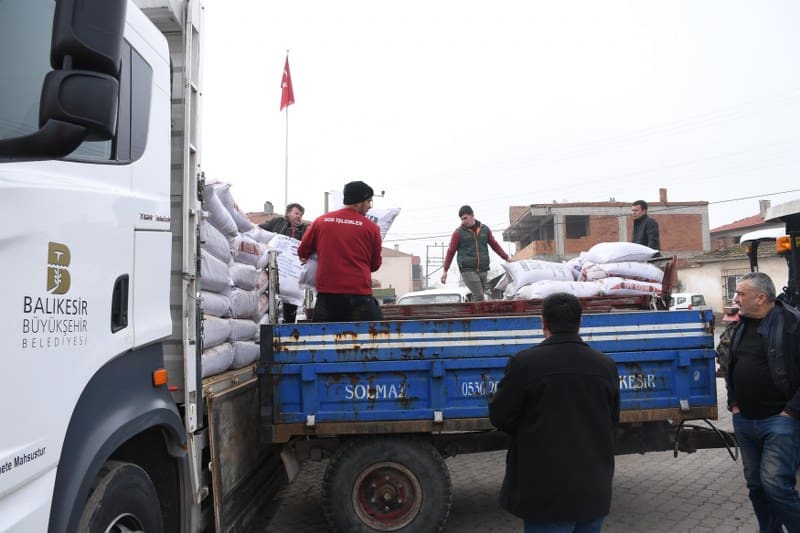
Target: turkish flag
287 94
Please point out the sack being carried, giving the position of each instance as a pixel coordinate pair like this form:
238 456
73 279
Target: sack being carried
289 269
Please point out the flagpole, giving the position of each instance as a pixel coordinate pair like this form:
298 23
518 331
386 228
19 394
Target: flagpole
286 163
287 99
286 154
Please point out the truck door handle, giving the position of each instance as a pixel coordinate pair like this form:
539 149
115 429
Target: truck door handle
119 304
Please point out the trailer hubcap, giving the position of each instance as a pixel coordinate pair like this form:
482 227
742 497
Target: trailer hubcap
387 496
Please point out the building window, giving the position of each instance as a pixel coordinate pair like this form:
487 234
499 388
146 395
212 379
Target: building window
730 277
577 226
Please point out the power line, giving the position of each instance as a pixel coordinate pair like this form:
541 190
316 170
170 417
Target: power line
500 226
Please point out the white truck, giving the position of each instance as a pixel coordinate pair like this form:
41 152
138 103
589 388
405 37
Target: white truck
106 422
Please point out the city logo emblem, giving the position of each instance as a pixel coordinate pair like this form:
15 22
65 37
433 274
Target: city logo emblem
58 258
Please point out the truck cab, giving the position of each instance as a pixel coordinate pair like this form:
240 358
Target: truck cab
92 202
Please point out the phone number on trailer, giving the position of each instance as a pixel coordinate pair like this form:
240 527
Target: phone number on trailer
478 388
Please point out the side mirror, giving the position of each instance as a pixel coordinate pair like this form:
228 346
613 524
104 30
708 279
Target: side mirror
89 32
80 97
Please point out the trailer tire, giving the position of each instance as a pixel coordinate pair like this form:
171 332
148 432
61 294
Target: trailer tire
386 484
123 498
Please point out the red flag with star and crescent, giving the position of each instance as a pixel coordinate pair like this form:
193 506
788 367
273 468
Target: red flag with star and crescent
287 94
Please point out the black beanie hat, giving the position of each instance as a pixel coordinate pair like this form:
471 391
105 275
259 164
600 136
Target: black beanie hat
356 192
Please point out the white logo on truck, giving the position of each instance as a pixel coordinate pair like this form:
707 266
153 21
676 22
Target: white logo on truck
55 321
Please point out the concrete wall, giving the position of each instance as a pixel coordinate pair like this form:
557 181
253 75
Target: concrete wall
395 272
707 278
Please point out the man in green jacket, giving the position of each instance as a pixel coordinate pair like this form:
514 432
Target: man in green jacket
472 240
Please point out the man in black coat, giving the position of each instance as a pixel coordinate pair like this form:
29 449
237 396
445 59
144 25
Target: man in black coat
645 229
559 401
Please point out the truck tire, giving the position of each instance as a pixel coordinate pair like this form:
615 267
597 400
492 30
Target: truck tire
123 498
386 484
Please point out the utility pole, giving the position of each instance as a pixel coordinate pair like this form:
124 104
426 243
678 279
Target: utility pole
436 262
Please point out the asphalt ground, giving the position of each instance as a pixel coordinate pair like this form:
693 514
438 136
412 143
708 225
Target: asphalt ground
654 492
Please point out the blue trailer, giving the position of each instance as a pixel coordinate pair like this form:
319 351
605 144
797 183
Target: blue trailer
388 400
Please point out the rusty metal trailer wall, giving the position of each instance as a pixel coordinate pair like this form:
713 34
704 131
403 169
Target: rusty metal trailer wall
436 375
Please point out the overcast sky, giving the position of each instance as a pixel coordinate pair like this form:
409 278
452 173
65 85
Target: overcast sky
492 104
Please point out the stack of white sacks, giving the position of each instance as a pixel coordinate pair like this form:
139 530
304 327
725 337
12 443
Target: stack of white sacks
608 268
234 297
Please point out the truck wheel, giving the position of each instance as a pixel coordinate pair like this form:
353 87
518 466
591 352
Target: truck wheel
123 499
385 484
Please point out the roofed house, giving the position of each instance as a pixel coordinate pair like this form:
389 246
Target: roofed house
729 234
715 273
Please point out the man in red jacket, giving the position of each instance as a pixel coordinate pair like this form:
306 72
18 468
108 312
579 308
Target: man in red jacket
348 247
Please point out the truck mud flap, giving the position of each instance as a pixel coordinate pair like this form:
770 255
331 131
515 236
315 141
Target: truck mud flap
246 473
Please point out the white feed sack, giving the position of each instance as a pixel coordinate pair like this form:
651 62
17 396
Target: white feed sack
245 353
308 273
263 260
616 252
245 250
262 281
215 331
214 242
259 234
383 217
576 264
223 191
529 271
215 304
628 287
218 214
289 268
213 273
263 309
242 275
241 330
217 359
627 270
244 304
502 283
544 288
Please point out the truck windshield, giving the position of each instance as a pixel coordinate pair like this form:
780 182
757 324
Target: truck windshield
26 28
25 31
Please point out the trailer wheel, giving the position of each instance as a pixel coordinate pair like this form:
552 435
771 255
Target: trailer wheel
123 499
385 484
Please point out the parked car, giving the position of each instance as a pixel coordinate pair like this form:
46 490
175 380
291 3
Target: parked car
446 295
686 300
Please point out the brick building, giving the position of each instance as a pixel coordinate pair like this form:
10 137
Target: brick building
561 231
